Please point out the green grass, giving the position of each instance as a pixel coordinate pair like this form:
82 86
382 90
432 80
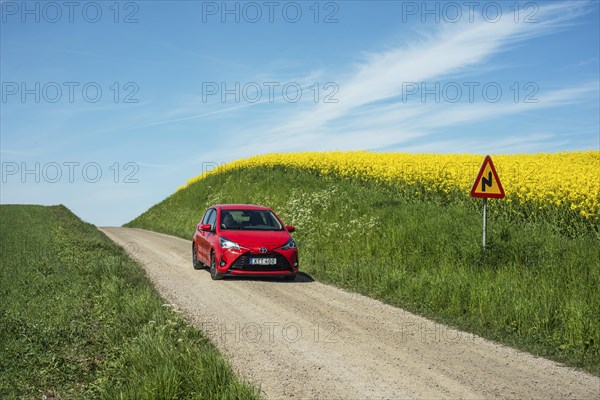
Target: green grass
79 319
534 288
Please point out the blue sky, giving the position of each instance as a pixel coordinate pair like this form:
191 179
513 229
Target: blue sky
108 107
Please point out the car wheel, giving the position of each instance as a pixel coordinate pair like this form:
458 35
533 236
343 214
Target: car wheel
197 264
289 278
214 274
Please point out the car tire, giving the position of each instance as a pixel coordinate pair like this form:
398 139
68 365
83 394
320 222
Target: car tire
289 278
214 274
197 264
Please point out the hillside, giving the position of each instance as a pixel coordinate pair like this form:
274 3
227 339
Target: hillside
535 287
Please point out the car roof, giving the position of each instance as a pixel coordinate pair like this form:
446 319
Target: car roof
240 207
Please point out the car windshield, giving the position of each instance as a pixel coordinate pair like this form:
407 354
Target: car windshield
258 220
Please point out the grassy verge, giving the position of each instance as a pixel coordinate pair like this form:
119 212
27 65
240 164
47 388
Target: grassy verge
79 319
534 288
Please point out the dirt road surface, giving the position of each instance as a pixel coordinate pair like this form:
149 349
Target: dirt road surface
306 340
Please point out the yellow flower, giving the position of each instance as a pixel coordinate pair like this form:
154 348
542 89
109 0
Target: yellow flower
568 179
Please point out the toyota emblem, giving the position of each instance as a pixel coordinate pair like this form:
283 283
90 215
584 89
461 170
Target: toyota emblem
263 249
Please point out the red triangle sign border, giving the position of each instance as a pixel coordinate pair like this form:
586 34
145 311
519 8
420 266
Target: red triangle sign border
486 161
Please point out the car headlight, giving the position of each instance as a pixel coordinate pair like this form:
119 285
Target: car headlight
228 244
291 244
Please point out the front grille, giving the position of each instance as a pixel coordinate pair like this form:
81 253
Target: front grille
243 263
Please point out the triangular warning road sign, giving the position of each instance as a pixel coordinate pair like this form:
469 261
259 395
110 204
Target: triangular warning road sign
487 184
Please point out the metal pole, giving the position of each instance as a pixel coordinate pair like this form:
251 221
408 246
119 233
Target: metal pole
484 220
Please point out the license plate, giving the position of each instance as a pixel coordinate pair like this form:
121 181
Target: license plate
263 261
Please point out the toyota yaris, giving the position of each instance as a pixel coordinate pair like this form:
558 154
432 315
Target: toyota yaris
244 240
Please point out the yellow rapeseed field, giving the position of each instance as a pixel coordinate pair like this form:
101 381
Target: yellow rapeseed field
566 179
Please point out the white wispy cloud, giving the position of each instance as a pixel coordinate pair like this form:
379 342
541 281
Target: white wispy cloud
369 95
371 113
513 144
187 110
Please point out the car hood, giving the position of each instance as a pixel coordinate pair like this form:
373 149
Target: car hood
257 239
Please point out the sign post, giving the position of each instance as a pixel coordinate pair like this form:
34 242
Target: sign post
484 219
487 185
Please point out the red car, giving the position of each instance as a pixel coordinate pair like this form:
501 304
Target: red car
243 240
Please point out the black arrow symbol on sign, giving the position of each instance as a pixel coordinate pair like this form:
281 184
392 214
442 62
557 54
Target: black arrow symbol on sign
486 182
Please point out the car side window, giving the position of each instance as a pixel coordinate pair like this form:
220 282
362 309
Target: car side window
212 219
206 216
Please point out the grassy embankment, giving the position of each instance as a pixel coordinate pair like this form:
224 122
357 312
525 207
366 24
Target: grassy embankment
535 287
79 319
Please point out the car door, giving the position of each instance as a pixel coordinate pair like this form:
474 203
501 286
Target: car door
206 237
201 237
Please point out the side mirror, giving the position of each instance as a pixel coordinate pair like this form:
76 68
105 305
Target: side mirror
290 228
205 227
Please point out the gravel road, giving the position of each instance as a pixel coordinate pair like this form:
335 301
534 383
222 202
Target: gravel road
306 340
